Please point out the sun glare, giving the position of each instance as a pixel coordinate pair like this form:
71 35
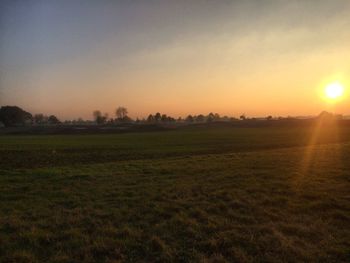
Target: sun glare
334 90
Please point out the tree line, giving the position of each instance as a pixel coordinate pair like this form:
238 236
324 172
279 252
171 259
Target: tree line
121 114
15 116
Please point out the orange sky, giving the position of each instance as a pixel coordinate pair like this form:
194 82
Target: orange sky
177 58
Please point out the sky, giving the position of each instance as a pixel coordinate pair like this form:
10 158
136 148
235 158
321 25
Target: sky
257 57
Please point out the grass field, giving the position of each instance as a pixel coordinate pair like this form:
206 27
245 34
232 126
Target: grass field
211 194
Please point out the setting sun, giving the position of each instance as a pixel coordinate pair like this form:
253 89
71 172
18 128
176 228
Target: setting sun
334 90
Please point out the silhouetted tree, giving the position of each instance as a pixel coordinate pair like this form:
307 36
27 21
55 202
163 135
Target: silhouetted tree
157 117
121 113
269 118
53 120
39 118
127 119
96 114
200 118
243 117
210 117
216 117
171 119
164 118
325 115
189 119
13 116
150 118
328 116
98 117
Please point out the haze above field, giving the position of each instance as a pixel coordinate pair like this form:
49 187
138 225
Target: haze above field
178 57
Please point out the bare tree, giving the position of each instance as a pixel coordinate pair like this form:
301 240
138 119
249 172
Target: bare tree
98 117
121 113
96 114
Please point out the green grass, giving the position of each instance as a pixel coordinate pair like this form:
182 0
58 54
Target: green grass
191 195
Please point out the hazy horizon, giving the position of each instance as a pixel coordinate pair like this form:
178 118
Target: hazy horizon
260 58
